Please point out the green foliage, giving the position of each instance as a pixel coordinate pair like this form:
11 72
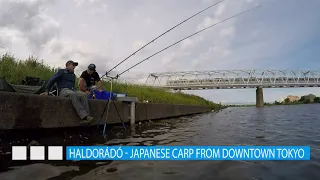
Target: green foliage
15 70
287 100
307 101
158 95
267 104
277 103
317 100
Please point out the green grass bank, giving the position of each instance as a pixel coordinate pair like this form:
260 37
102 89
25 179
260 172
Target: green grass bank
15 70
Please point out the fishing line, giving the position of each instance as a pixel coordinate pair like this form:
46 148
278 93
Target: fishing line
163 34
188 37
117 76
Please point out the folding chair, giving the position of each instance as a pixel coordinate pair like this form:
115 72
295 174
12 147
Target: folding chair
54 90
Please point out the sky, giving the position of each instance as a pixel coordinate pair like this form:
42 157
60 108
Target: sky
282 34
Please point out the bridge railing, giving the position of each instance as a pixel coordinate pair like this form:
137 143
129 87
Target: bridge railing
236 78
242 82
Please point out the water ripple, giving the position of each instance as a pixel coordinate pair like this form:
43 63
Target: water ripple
277 125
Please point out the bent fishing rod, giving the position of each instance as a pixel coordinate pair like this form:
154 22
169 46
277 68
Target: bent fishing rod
164 34
187 38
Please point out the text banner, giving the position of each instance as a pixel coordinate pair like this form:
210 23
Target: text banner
188 153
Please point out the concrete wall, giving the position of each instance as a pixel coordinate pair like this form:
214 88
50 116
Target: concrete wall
21 111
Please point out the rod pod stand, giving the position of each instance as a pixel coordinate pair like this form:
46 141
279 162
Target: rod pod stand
107 106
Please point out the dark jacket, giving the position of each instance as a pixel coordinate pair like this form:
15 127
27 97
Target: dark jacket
64 79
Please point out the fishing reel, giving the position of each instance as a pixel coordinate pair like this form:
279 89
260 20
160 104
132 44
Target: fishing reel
111 77
94 87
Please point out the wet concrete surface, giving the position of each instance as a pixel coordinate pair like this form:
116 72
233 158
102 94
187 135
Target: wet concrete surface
277 125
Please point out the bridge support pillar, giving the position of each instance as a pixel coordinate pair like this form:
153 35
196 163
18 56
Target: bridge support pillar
259 97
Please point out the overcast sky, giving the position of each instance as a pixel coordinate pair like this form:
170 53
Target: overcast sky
283 34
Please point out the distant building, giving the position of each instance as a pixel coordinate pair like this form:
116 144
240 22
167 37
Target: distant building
293 98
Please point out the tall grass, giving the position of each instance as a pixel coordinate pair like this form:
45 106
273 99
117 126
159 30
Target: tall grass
15 71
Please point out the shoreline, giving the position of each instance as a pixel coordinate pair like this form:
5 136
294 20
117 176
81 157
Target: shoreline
29 111
268 105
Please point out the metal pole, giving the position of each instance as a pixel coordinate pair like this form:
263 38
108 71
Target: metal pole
132 113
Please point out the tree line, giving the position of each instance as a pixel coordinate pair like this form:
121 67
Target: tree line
307 99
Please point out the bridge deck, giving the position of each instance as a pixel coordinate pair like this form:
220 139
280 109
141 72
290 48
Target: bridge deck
235 86
226 79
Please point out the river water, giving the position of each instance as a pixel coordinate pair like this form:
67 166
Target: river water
276 125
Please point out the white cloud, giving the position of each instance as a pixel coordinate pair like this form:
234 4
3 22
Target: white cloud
207 21
29 19
212 56
98 11
84 25
188 44
85 2
9 36
169 58
220 10
138 44
85 53
228 31
96 7
79 2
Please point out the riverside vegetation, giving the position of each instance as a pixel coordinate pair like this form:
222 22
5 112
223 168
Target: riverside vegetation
15 71
307 99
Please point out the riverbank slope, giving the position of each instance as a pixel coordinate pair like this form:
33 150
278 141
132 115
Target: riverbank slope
15 70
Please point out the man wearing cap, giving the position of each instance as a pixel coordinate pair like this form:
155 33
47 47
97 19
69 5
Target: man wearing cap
89 78
65 79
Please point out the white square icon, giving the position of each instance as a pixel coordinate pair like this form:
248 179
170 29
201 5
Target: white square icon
37 153
55 153
19 152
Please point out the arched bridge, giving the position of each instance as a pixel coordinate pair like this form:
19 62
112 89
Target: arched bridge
235 79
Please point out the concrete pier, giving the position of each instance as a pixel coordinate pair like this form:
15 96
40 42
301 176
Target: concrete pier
132 104
23 111
132 113
259 97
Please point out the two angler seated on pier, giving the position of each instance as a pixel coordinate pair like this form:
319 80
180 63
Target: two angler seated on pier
62 84
65 80
65 87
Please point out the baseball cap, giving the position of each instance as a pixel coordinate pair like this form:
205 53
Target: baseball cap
72 62
92 67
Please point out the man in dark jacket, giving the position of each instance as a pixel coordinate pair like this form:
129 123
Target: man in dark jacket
65 79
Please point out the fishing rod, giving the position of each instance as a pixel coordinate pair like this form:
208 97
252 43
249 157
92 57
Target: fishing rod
163 34
117 76
187 38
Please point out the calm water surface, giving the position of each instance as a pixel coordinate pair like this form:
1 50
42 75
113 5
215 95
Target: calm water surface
277 125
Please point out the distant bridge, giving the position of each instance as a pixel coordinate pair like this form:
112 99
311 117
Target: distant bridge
235 79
